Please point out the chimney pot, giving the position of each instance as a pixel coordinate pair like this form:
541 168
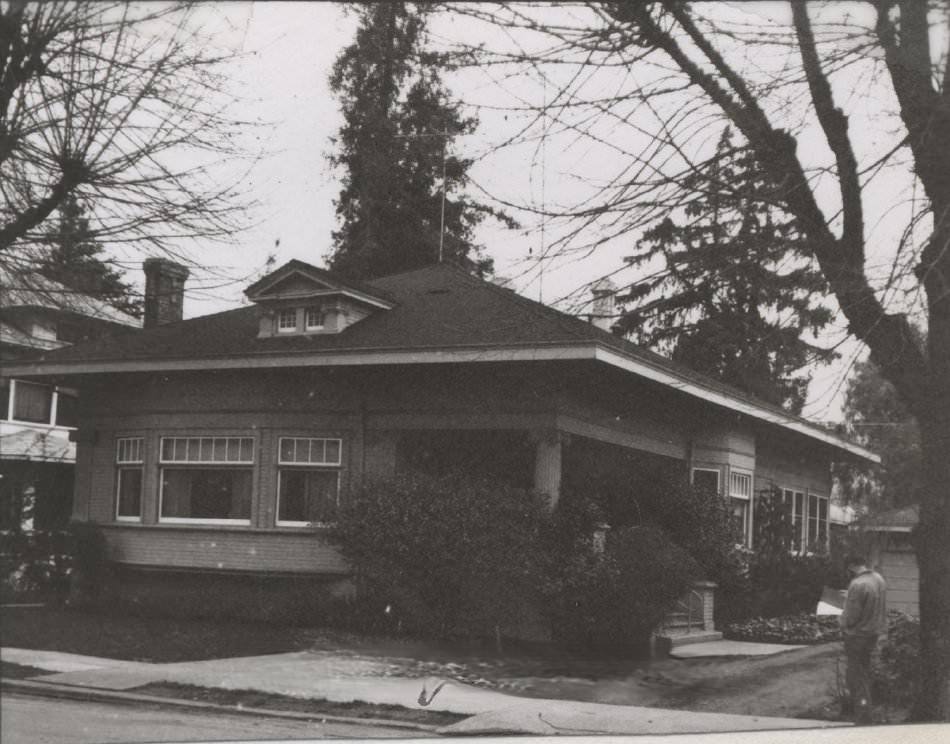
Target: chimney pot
164 291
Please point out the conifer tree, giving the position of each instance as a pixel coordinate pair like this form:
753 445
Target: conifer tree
394 150
74 259
729 289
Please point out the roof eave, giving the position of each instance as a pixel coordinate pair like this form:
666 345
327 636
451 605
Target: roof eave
583 350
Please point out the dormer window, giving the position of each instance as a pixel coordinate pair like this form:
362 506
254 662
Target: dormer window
299 299
287 321
315 318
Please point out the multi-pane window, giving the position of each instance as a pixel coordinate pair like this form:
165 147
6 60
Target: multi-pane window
287 321
740 499
206 479
314 318
308 480
129 462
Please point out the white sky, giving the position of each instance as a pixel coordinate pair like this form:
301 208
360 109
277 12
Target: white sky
289 49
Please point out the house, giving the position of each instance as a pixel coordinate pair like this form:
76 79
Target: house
36 418
214 451
891 552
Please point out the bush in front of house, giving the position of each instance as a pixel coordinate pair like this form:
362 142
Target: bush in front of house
35 564
613 601
448 555
802 628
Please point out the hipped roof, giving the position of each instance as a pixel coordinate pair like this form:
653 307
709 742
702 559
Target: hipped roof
440 314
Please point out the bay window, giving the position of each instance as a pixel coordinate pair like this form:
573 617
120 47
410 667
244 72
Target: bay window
308 481
206 479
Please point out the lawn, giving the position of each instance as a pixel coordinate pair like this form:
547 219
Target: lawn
139 638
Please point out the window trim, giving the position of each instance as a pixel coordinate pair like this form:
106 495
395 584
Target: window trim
747 500
322 314
282 465
278 522
281 314
249 465
122 465
717 471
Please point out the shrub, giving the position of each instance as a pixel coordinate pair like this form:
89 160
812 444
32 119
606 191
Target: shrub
794 629
895 671
613 601
36 562
451 556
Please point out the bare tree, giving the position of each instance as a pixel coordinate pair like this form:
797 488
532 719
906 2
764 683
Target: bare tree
649 81
120 106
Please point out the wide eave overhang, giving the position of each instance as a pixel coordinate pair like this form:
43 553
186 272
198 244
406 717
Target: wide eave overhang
580 351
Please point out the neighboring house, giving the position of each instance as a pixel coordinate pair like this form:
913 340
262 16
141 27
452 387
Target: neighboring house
225 444
36 418
892 553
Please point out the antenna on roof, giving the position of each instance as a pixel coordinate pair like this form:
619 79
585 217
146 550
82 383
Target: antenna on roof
444 134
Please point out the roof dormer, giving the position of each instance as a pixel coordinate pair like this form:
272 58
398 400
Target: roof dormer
300 299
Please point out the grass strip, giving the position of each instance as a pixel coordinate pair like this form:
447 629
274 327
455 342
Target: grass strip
318 707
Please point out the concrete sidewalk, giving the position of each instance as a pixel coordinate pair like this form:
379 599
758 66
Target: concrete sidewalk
324 675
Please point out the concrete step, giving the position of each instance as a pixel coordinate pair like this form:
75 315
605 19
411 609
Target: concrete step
699 636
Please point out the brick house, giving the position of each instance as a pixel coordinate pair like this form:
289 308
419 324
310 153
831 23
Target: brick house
220 447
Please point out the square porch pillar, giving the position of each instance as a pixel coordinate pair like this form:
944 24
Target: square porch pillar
547 466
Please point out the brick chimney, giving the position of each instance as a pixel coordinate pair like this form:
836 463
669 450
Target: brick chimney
164 291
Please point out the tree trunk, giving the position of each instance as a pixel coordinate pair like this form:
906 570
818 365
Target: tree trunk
933 559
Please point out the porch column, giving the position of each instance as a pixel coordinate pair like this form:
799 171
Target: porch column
547 466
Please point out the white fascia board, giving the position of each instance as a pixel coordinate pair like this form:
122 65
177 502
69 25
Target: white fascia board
329 292
641 369
355 357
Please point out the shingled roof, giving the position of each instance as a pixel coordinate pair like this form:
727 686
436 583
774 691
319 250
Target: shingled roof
438 309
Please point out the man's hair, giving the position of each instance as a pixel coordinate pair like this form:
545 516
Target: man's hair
855 559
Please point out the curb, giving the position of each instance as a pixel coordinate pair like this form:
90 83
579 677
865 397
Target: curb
70 692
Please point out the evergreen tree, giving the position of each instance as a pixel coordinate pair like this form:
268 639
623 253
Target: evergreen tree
733 292
74 259
874 412
393 148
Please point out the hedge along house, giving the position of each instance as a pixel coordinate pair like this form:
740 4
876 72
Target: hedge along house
222 446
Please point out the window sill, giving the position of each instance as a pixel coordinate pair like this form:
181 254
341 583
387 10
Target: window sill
215 528
206 522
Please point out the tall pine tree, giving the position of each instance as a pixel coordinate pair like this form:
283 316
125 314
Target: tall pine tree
393 148
74 259
729 290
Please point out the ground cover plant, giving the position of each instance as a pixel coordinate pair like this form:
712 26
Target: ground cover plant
802 628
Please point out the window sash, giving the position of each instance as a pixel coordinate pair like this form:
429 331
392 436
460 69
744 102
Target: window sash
128 450
740 485
207 450
286 321
128 498
32 402
205 491
312 451
307 496
315 318
704 473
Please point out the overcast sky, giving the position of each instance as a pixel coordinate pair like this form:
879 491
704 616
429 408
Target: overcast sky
288 50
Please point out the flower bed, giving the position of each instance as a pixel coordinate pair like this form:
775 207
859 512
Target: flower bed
792 629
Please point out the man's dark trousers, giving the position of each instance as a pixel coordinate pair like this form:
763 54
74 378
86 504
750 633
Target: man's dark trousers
858 650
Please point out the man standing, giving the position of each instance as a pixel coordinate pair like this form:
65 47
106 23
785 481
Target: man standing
863 620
